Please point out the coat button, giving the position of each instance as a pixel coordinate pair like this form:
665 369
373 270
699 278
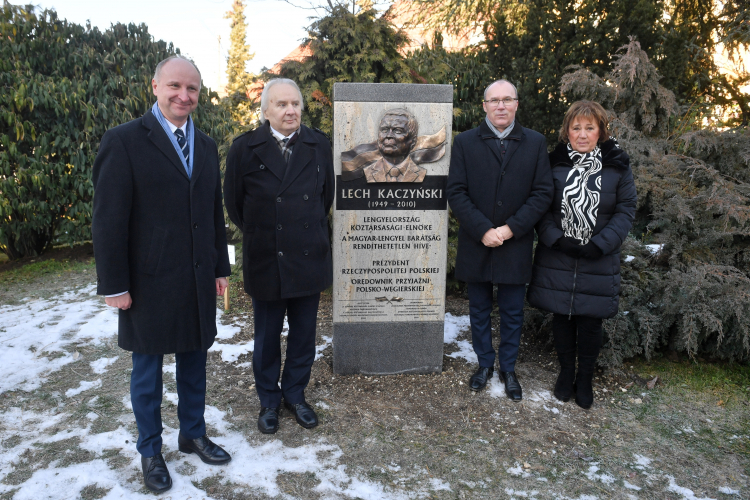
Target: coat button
197 265
304 197
195 225
499 203
278 227
262 167
281 254
278 200
305 252
306 225
502 173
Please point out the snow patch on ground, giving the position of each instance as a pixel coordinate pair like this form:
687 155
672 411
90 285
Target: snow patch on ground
100 365
729 491
454 326
594 475
83 386
516 470
641 461
38 336
231 352
686 493
438 485
631 486
322 347
496 387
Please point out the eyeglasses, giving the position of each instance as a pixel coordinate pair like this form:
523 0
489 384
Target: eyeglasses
507 101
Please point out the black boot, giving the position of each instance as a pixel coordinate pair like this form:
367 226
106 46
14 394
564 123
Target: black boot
564 333
583 384
565 380
589 343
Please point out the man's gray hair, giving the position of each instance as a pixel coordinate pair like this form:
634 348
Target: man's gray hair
502 80
267 87
157 71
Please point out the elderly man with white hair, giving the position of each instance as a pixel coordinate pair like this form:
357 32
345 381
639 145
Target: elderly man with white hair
278 188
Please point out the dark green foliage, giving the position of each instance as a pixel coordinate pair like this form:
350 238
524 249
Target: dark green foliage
345 47
467 70
63 86
693 294
729 151
533 44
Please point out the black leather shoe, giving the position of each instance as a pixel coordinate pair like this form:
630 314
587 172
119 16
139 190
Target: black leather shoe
479 380
268 420
208 451
512 386
155 473
304 414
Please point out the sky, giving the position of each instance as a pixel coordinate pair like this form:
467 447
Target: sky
274 29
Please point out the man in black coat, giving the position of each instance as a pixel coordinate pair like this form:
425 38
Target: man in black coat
161 256
499 186
279 187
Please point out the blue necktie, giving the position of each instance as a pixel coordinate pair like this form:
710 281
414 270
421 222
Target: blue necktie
182 142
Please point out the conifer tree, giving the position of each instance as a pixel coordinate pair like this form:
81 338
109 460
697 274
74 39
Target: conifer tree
346 47
533 47
238 79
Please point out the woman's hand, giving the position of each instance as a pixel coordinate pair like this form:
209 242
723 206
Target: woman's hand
591 251
569 246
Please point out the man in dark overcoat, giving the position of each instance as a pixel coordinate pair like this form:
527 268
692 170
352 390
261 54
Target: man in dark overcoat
499 186
161 258
279 187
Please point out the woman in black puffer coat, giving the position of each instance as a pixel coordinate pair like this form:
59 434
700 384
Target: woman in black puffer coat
576 273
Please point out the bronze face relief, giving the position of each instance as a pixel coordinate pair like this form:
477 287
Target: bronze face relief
397 153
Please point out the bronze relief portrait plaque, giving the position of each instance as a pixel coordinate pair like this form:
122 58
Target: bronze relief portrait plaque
397 154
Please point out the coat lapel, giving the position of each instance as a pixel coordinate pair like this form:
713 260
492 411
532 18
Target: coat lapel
489 139
264 146
302 154
159 138
199 155
514 140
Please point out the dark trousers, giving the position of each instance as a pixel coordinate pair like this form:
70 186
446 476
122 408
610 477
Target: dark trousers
302 314
146 392
510 302
579 335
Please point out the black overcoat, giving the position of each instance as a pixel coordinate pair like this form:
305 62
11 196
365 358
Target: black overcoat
282 210
585 287
485 192
160 236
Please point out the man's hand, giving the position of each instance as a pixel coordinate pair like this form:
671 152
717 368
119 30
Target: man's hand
121 301
221 285
492 238
505 232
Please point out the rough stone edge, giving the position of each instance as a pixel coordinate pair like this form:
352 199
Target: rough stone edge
392 92
379 348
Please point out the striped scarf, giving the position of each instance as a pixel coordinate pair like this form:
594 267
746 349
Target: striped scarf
580 199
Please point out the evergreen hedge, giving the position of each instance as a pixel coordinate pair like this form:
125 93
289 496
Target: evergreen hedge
63 86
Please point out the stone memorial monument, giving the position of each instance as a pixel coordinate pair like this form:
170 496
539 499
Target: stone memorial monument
391 151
